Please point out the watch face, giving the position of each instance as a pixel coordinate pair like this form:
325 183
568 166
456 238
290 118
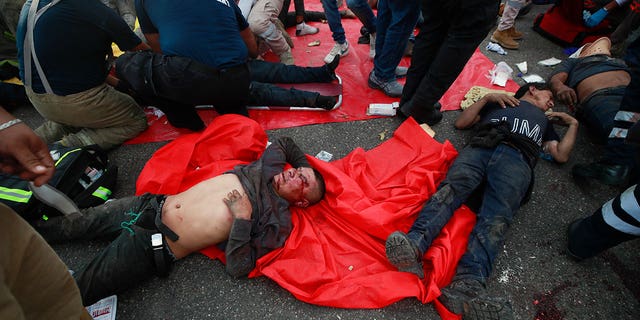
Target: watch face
156 239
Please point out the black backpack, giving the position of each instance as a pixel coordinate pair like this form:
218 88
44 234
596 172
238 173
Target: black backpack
84 174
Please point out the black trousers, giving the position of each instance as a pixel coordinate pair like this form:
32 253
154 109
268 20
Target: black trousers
451 32
129 258
176 85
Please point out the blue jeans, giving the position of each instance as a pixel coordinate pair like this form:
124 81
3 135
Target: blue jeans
451 32
505 175
396 20
598 113
263 92
359 7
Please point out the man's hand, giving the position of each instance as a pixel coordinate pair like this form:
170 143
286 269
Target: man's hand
562 118
24 154
502 99
239 205
567 96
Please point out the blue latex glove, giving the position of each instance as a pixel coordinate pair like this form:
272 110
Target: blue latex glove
596 18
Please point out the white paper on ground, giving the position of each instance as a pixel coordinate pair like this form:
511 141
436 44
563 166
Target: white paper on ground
532 78
549 62
522 66
104 309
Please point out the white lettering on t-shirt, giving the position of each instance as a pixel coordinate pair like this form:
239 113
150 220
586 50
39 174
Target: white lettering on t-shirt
225 2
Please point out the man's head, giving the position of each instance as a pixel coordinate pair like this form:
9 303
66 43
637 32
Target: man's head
537 93
302 186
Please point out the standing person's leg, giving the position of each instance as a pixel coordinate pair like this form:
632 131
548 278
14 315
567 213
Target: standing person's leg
506 33
427 44
469 23
302 28
507 181
363 12
341 46
101 115
463 177
390 49
35 284
261 21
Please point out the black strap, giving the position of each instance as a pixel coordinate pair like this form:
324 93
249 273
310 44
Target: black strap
157 205
159 255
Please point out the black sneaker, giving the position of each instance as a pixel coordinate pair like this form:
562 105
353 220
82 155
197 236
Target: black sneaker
610 174
404 254
326 102
467 297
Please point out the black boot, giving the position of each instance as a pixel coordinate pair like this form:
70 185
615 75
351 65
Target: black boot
610 174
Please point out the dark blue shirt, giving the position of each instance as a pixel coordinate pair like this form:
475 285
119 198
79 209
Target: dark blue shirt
72 40
582 68
207 31
525 119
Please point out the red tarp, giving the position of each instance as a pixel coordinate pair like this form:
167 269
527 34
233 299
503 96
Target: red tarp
335 253
354 70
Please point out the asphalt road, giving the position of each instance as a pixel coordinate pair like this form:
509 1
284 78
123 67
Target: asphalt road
532 271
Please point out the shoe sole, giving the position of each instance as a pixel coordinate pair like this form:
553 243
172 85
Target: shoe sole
487 309
402 255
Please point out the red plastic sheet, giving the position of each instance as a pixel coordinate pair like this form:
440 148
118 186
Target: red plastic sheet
335 253
354 70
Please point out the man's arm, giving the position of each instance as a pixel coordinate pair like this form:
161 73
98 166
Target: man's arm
561 91
471 115
560 151
241 257
23 153
250 40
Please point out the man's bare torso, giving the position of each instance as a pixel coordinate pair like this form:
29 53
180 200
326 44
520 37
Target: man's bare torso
609 79
199 216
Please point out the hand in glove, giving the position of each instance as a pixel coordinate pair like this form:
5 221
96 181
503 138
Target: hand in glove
595 18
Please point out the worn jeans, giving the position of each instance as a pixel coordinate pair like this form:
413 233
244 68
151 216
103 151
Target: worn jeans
598 113
264 93
451 32
127 261
359 7
100 115
396 21
34 282
505 175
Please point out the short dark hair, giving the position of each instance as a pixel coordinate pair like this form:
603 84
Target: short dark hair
322 187
538 85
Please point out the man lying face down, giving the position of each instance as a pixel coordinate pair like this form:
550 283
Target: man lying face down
248 207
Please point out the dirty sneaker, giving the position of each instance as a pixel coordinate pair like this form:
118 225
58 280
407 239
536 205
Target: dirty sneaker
404 254
339 49
392 87
468 298
303 29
